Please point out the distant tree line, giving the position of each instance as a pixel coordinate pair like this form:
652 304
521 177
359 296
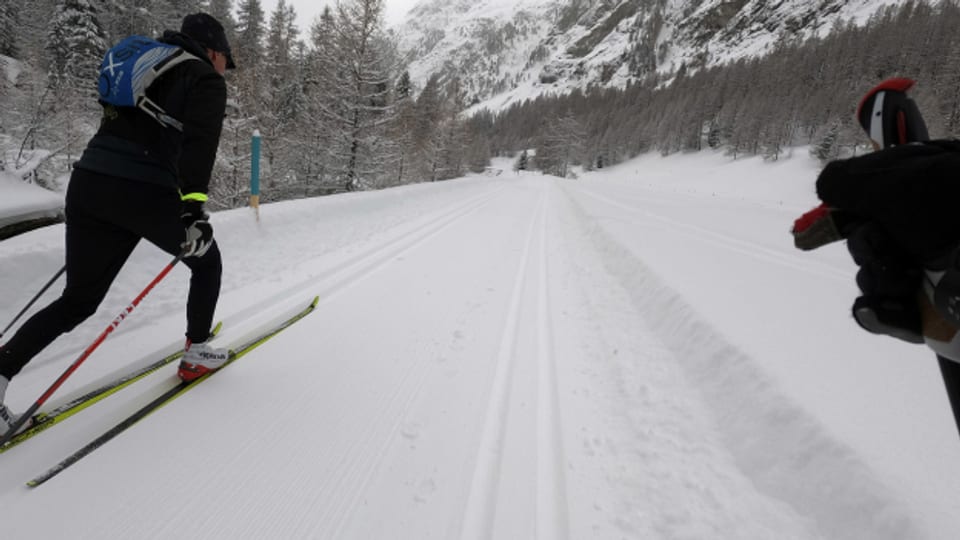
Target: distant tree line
801 94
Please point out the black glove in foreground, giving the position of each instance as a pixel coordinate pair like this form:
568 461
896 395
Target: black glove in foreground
911 190
199 232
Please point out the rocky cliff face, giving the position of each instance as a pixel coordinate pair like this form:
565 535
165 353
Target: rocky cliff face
508 50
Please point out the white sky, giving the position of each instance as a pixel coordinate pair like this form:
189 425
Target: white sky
394 10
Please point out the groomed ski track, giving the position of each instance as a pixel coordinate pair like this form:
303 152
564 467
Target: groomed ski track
516 356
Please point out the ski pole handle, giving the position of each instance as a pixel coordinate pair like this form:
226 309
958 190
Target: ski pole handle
86 353
889 118
35 298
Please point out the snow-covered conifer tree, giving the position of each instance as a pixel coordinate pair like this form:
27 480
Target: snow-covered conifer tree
222 10
251 28
360 106
169 13
8 28
75 46
428 113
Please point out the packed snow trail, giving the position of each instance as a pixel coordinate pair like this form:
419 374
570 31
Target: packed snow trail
495 357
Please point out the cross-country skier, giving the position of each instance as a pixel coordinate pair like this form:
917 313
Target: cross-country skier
137 179
896 208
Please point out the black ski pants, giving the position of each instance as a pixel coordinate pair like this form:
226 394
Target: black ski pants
106 218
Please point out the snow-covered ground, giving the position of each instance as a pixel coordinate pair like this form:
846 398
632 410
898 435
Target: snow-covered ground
640 353
20 201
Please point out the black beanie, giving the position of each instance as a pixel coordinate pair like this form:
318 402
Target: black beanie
207 31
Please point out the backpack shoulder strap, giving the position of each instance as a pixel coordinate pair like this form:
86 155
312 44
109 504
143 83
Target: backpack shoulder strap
153 73
131 66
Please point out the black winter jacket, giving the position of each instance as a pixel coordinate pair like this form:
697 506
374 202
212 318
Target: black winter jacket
130 144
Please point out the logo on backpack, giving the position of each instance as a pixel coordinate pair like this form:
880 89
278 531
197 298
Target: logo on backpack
131 66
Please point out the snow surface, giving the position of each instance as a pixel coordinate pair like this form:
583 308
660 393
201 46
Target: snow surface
11 68
20 201
640 353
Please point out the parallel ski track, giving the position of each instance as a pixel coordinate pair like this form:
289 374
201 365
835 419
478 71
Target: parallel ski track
367 450
751 249
479 518
552 510
342 492
352 271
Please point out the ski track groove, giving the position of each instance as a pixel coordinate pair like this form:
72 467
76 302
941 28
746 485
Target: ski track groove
367 452
481 504
751 249
373 446
552 505
358 464
348 273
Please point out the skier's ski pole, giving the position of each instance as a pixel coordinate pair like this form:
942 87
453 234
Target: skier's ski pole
86 354
35 298
951 379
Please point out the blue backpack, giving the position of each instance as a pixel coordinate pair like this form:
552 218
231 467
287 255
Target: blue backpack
131 66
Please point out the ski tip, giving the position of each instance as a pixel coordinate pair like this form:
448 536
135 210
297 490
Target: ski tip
216 329
316 300
33 483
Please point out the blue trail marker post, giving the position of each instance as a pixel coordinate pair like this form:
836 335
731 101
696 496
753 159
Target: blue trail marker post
255 172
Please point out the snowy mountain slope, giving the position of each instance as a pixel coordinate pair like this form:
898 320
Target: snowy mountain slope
504 52
638 354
